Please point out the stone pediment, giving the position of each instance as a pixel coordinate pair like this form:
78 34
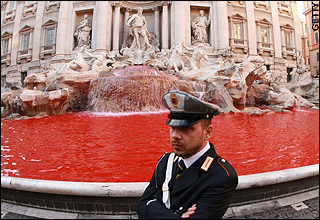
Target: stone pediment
6 34
264 21
26 28
50 22
287 26
237 17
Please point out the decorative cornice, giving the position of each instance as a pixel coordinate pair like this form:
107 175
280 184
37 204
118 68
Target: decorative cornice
134 5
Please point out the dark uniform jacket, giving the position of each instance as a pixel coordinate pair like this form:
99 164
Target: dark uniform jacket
210 190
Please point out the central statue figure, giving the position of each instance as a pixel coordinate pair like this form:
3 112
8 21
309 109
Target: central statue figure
138 29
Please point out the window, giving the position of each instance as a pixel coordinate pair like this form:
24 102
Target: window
50 36
11 5
265 34
317 56
5 47
26 39
316 37
288 39
237 30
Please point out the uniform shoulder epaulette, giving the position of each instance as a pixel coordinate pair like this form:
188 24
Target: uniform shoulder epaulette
221 162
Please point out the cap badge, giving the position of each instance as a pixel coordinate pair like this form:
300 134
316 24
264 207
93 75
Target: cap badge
174 100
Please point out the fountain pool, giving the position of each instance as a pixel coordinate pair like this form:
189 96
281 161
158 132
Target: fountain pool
102 147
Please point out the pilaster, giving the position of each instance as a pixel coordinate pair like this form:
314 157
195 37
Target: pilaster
223 24
16 33
36 48
297 29
62 29
179 22
276 28
252 37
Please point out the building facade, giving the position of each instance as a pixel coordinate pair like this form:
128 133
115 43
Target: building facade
37 34
311 11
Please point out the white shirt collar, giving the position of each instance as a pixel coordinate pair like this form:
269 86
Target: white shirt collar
189 161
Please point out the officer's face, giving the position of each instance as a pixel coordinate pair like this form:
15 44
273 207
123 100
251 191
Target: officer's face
188 140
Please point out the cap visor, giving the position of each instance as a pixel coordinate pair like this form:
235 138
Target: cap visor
180 122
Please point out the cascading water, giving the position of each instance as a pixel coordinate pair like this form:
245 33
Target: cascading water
134 89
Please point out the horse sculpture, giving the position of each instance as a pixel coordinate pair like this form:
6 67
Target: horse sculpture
177 60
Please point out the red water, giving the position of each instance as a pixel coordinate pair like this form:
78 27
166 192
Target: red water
89 147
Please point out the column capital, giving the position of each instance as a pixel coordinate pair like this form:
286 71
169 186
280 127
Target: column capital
165 3
126 9
116 4
156 8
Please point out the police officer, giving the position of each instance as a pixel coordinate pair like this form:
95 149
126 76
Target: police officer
193 181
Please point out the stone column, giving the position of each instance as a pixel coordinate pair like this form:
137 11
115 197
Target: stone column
125 27
252 37
276 28
179 33
102 25
62 29
215 26
156 22
36 48
109 27
165 27
115 43
222 13
16 33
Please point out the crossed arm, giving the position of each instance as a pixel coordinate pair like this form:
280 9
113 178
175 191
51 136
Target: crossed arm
212 203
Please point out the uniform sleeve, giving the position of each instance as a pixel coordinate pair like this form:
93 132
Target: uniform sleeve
215 201
148 195
155 209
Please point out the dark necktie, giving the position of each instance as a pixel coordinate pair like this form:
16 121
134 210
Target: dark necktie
181 168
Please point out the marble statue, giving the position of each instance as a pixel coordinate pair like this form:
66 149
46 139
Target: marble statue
101 61
199 28
198 55
138 29
301 67
83 32
177 60
78 63
156 60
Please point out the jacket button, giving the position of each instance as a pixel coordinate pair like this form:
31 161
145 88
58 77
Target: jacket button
180 208
223 160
